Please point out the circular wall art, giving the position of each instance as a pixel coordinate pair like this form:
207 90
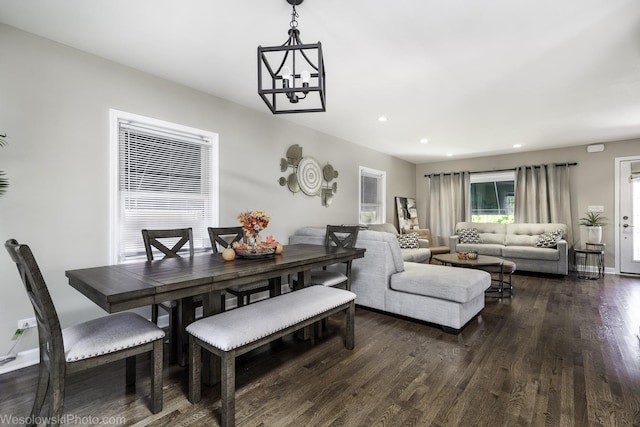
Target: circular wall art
309 176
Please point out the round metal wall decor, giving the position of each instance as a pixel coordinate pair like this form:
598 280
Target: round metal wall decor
309 176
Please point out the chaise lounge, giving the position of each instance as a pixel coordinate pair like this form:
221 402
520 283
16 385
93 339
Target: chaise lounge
446 296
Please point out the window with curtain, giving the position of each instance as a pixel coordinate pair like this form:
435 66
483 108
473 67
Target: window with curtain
493 197
372 196
164 176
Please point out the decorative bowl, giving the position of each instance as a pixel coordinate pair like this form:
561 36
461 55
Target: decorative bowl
472 255
259 252
462 255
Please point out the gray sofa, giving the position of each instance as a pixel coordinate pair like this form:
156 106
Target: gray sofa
382 280
421 254
517 243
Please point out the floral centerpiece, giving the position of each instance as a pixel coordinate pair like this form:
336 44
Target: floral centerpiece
253 222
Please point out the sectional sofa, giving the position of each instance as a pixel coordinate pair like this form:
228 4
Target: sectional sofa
518 243
420 254
446 296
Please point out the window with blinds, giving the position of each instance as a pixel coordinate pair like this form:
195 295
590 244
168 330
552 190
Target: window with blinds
372 196
166 178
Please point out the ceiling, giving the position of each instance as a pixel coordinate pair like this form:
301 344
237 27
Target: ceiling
473 77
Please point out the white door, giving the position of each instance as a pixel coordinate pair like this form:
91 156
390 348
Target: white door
629 217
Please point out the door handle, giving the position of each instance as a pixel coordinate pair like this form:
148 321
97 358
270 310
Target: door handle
627 225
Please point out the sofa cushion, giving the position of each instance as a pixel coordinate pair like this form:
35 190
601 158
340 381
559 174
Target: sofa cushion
437 281
549 239
531 252
315 236
416 255
386 227
468 235
481 248
489 232
526 234
408 241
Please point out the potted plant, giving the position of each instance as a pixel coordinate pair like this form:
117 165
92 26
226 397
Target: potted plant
594 222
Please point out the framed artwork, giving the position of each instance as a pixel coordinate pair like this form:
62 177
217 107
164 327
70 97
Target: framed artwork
407 214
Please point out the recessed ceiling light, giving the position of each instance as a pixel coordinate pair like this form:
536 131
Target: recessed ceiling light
449 154
424 140
382 119
517 146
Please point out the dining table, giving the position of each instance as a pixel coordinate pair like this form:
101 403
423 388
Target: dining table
138 284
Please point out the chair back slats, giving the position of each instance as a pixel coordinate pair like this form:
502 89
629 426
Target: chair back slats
152 238
343 236
49 330
224 236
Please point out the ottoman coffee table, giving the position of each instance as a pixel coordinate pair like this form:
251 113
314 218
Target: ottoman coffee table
487 263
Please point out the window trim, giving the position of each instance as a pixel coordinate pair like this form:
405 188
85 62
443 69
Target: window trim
382 175
116 116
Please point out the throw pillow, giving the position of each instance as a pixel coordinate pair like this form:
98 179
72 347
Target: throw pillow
469 235
408 241
549 239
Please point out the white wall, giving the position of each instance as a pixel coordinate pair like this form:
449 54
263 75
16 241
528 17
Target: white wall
54 107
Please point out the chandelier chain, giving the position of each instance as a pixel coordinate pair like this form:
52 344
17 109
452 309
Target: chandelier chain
294 15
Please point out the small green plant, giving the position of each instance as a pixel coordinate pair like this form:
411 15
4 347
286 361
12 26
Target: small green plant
593 219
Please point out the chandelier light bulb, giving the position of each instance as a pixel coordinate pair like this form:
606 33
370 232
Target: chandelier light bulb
287 78
306 76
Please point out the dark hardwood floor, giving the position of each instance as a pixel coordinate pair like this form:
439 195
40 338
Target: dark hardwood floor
561 352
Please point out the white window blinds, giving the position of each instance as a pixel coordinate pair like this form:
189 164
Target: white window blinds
372 196
166 179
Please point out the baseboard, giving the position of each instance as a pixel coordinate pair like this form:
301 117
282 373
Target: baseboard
25 358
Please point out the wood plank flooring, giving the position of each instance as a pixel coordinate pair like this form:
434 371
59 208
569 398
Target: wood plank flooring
561 352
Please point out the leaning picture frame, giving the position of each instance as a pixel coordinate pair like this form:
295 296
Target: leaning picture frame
407 214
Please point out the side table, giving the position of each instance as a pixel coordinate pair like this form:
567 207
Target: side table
589 262
601 247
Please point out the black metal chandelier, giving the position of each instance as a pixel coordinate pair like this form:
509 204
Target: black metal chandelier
291 77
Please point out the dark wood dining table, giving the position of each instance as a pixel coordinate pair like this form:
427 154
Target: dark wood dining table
138 284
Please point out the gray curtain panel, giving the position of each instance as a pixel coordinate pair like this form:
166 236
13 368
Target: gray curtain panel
543 195
450 203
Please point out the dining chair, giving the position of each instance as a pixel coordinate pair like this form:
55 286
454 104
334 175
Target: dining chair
170 244
82 346
224 237
342 236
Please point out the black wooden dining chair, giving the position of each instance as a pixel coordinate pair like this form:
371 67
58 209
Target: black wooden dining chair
170 244
224 237
342 236
82 346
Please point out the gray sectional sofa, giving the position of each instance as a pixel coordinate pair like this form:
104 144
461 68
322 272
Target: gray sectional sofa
382 280
421 254
517 243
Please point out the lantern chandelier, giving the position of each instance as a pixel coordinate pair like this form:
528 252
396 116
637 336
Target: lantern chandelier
291 76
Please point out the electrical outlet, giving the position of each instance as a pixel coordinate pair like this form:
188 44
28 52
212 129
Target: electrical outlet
27 323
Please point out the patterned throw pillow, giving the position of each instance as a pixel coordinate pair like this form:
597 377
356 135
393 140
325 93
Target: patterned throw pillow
408 241
469 235
549 239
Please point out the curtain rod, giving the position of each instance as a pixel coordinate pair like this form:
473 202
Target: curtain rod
501 170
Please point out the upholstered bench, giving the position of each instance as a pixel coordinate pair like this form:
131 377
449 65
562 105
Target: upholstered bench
238 331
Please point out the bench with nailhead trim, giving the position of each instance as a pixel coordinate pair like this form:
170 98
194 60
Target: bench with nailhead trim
235 332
